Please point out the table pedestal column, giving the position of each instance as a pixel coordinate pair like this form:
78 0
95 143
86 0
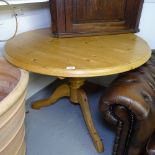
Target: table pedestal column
78 96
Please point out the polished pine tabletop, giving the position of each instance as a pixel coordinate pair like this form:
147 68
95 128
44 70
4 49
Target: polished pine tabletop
37 51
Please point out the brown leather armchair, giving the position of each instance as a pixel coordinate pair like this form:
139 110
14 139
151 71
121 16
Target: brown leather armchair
128 105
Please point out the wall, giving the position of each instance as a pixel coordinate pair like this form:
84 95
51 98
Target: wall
34 16
38 16
23 1
147 23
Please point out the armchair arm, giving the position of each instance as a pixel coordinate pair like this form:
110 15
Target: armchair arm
127 105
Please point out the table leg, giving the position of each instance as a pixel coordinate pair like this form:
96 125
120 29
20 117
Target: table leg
83 101
61 91
77 96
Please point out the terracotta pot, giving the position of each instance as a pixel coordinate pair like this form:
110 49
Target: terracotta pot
13 84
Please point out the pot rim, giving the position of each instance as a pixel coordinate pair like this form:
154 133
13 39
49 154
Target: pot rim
16 93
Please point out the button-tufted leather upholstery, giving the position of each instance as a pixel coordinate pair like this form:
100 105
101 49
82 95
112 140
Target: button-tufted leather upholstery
128 105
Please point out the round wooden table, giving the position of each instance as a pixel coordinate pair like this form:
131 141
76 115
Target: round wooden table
77 59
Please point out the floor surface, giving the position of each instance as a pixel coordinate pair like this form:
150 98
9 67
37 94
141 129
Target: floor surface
61 130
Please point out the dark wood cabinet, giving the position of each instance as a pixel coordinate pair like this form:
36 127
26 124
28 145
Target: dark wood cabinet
94 17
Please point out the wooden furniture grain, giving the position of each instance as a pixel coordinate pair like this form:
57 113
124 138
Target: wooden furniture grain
13 84
76 59
94 17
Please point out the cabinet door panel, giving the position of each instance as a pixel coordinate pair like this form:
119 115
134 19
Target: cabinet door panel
98 10
84 16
